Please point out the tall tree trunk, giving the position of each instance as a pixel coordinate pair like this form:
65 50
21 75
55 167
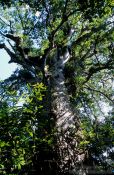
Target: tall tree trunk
67 121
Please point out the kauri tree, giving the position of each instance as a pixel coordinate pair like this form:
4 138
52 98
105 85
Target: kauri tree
68 46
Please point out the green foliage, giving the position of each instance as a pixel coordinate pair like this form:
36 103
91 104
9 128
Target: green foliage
98 138
18 126
44 27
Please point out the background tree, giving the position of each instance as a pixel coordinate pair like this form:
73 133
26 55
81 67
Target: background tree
67 45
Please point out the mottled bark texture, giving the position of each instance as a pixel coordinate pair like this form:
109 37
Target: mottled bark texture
67 121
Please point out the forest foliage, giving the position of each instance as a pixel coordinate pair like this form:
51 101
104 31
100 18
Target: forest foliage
31 32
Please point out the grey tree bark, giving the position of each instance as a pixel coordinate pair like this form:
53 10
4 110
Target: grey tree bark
67 120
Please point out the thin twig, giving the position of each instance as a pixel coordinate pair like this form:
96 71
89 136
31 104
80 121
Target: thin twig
105 95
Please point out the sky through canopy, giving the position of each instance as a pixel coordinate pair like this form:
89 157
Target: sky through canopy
6 69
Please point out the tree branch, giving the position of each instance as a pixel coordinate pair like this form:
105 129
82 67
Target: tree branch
10 53
100 92
3 21
98 67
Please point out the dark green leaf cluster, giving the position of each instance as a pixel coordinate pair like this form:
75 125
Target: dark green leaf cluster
98 142
23 130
